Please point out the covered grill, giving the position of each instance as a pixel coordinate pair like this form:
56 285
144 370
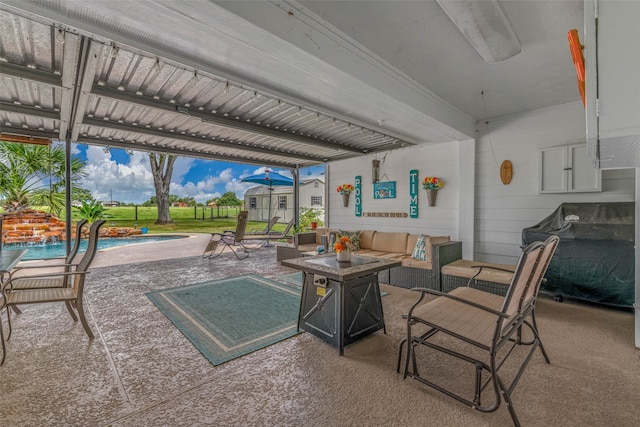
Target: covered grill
595 258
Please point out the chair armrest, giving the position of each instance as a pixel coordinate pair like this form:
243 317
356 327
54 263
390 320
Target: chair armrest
508 270
30 267
462 300
443 254
22 269
9 283
304 238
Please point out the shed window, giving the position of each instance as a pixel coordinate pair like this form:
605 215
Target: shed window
282 202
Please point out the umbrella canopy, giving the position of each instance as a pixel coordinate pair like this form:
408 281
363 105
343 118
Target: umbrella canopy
271 179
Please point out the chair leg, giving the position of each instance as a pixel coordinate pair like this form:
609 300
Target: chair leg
400 347
83 319
536 336
9 322
507 399
4 349
16 310
73 315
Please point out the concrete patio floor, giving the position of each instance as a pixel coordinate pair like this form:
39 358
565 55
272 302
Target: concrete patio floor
140 370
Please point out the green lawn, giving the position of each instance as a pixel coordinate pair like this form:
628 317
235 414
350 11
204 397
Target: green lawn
215 220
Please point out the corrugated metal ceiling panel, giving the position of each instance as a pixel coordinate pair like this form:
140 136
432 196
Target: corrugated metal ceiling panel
129 98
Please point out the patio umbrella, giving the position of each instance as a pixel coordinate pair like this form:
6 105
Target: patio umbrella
271 179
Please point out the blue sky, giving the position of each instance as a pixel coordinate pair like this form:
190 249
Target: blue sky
129 178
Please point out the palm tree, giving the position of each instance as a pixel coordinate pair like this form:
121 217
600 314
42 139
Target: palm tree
34 175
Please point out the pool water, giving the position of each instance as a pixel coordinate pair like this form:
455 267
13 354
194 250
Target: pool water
53 250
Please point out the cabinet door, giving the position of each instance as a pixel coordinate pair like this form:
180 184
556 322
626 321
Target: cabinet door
552 177
583 176
568 169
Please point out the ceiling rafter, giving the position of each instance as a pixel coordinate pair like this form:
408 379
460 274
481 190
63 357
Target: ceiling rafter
105 142
108 124
231 123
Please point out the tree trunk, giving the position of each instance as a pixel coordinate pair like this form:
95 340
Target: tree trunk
162 168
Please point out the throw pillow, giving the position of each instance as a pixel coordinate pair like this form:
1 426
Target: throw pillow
420 250
354 236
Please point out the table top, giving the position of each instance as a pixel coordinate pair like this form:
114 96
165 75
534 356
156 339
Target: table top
9 258
328 265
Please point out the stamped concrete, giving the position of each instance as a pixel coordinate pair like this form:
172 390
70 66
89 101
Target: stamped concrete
141 371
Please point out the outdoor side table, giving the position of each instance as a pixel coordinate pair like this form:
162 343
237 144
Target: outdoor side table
340 301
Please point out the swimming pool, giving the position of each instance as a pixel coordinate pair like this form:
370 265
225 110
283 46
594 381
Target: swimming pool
53 250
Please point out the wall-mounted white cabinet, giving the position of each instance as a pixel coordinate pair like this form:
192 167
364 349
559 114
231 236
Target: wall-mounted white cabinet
567 169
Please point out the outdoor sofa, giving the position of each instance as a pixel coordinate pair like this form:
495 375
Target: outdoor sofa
440 250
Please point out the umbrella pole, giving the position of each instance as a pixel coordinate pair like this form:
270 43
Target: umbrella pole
269 216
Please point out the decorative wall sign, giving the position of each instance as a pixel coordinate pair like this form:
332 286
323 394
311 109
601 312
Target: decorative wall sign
413 193
384 190
506 172
386 214
358 193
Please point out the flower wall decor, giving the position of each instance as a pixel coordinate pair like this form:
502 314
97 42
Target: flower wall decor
432 183
345 189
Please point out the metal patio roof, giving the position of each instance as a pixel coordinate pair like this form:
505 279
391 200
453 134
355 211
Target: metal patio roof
57 82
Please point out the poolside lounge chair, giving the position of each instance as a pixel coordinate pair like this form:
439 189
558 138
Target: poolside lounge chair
229 239
274 235
265 230
71 295
493 325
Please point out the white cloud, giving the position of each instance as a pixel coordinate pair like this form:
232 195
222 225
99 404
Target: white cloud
105 178
132 181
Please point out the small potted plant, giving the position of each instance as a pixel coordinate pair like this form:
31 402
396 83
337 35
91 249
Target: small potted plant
343 247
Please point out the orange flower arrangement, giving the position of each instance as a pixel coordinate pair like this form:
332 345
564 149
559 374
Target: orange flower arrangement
343 243
345 189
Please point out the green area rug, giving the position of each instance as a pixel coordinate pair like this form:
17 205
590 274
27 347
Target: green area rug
231 317
296 279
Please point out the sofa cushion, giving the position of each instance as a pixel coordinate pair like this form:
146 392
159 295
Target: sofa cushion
407 261
390 242
366 239
467 269
419 251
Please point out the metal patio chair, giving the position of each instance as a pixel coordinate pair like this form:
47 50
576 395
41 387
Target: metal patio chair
229 239
490 323
67 286
46 266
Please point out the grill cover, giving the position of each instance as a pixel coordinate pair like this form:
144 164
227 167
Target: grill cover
594 260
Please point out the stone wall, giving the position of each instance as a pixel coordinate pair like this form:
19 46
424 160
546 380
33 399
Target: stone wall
31 226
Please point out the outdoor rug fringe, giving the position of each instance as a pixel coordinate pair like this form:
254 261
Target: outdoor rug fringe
229 318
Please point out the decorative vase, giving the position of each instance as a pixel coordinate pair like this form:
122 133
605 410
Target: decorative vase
431 197
343 256
345 200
